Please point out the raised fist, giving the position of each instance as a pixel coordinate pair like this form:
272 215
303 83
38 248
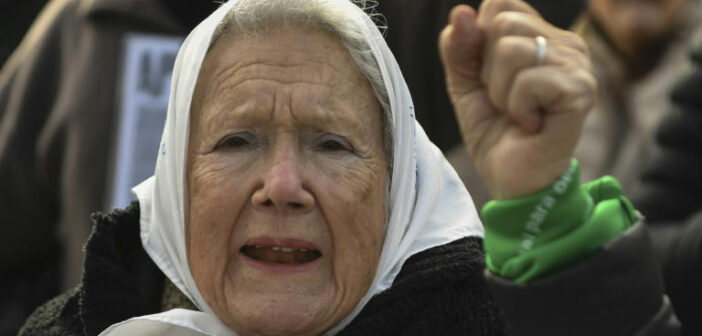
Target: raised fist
520 88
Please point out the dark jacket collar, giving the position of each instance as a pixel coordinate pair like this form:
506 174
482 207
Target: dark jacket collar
119 279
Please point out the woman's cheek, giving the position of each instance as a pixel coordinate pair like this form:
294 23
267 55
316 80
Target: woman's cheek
356 178
357 247
355 200
215 199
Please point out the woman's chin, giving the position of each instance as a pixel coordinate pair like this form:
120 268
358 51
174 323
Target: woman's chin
259 299
281 315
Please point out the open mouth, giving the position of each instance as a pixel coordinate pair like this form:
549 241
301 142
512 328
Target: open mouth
281 254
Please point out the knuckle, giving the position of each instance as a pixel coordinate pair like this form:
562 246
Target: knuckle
496 99
508 48
583 61
525 77
493 5
575 58
505 23
584 91
587 79
576 42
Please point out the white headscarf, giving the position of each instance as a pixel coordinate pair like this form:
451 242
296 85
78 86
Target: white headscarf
429 206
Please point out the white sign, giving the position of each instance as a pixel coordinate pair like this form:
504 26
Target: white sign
147 69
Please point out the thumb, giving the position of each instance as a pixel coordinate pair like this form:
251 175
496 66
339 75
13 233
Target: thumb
460 46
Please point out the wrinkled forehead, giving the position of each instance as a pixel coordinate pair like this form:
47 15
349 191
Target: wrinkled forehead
291 50
310 63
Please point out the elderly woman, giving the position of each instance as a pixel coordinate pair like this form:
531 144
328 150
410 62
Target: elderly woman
295 194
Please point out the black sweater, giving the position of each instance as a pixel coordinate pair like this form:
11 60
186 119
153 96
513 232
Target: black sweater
440 291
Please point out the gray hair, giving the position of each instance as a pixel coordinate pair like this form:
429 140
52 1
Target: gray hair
255 17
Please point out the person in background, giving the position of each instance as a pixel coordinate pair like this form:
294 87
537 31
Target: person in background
638 49
669 197
86 72
17 16
644 130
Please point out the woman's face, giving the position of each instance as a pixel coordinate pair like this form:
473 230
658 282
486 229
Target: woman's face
635 24
287 179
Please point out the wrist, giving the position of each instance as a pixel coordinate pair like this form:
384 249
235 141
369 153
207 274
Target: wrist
523 182
538 235
513 227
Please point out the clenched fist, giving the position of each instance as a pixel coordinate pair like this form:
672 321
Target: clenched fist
520 88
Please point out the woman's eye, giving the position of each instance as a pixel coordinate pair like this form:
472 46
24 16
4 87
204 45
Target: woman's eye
335 144
332 145
235 141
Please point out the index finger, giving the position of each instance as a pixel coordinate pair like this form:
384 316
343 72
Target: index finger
489 9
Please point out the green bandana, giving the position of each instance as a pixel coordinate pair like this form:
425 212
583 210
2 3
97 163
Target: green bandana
534 236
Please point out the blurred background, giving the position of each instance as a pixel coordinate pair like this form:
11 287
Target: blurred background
17 16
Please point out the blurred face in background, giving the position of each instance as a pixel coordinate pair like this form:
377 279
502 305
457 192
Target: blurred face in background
634 25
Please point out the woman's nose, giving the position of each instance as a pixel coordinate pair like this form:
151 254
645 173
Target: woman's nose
283 187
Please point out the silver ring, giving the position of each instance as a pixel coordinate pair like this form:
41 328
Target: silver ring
540 49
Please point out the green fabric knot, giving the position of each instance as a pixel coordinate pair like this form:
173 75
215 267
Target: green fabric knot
534 236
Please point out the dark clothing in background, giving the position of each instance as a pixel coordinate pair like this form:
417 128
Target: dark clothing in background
618 135
59 96
17 15
673 177
439 291
671 197
678 249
